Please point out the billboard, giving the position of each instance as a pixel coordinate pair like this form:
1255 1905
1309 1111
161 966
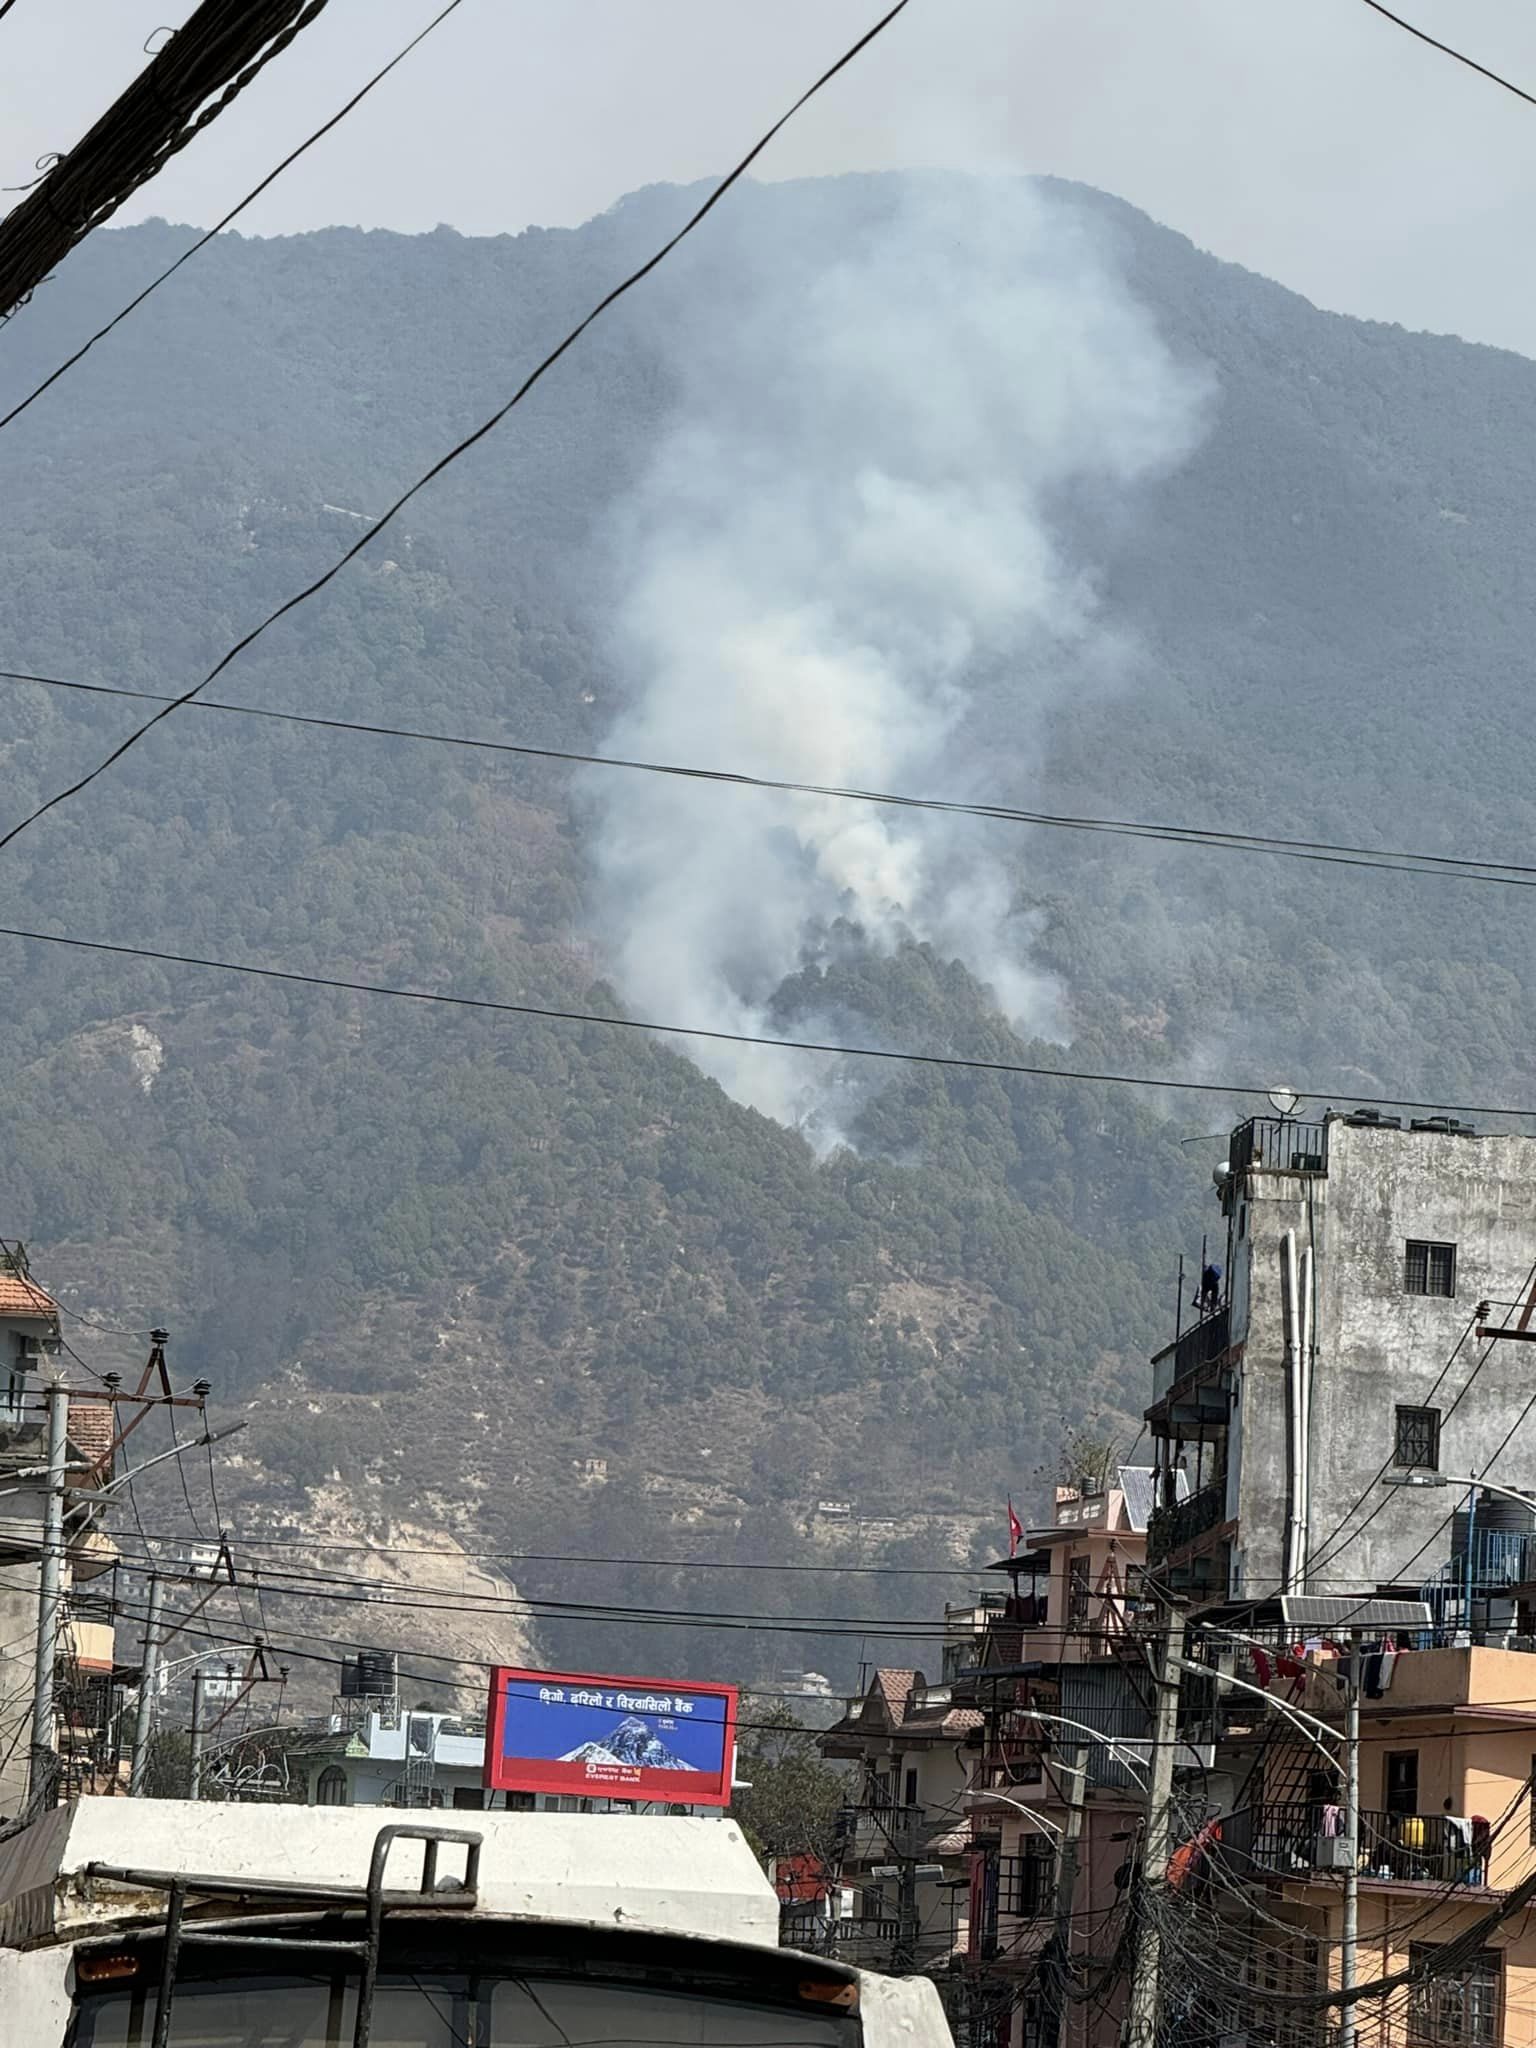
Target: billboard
610 1738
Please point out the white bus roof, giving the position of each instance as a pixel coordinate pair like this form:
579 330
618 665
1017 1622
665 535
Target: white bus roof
657 1873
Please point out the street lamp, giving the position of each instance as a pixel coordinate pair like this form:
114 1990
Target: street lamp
1424 1479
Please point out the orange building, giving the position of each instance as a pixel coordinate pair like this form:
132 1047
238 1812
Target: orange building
1446 1856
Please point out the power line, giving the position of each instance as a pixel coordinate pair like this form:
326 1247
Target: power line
205 66
1445 49
469 440
351 1589
220 225
551 1014
671 1564
1391 860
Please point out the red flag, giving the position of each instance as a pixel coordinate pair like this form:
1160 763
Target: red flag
1015 1531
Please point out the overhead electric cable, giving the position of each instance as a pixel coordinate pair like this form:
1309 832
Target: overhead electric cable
219 226
207 64
669 1564
1445 49
1393 860
469 440
862 1052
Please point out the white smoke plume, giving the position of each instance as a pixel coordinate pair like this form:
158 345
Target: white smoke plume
852 520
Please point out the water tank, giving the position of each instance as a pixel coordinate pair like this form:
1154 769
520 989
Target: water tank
350 1688
378 1673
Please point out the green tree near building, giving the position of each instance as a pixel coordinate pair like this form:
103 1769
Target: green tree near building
791 1797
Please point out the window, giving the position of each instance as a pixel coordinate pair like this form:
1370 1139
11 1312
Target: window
1429 1268
331 1787
1026 1880
911 1799
468 1796
520 1802
1402 1781
1079 1588
1416 1440
1458 2010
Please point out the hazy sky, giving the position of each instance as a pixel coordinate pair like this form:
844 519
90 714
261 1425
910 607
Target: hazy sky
1308 139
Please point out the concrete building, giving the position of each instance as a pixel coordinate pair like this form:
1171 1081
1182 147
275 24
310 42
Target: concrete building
1447 1742
393 1755
1058 1659
905 1839
29 1346
1378 1286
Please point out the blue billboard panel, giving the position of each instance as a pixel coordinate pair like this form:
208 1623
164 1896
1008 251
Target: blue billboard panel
618 1738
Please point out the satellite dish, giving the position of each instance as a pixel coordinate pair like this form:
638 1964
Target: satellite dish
1283 1100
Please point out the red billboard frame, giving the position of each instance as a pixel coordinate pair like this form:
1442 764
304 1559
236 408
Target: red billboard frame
637 1782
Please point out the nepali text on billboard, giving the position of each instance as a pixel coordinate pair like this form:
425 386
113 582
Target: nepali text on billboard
613 1738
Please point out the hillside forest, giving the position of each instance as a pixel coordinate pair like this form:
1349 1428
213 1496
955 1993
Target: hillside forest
1130 533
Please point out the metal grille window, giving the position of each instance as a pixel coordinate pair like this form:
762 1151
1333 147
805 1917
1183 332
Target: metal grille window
1429 1268
1457 2010
1416 1439
1025 1880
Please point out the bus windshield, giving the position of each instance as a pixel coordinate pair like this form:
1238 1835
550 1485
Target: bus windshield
453 2009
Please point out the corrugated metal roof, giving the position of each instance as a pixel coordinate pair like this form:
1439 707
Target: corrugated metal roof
1136 1485
1139 1485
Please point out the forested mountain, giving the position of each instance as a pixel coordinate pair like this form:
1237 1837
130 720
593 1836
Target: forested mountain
1281 581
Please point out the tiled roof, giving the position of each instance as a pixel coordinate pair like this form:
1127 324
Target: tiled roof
895 1687
20 1296
943 1719
91 1427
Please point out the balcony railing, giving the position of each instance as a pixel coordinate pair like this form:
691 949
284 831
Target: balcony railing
1279 1144
1407 1848
1169 1529
864 1939
874 1833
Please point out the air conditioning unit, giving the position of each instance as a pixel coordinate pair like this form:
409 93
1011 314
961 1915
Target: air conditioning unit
1330 1852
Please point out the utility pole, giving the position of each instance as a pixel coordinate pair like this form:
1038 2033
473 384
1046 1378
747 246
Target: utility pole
1348 1947
43 1776
906 1915
144 1722
195 1760
1142 2017
1071 1784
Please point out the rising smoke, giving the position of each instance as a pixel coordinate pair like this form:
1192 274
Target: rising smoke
854 516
